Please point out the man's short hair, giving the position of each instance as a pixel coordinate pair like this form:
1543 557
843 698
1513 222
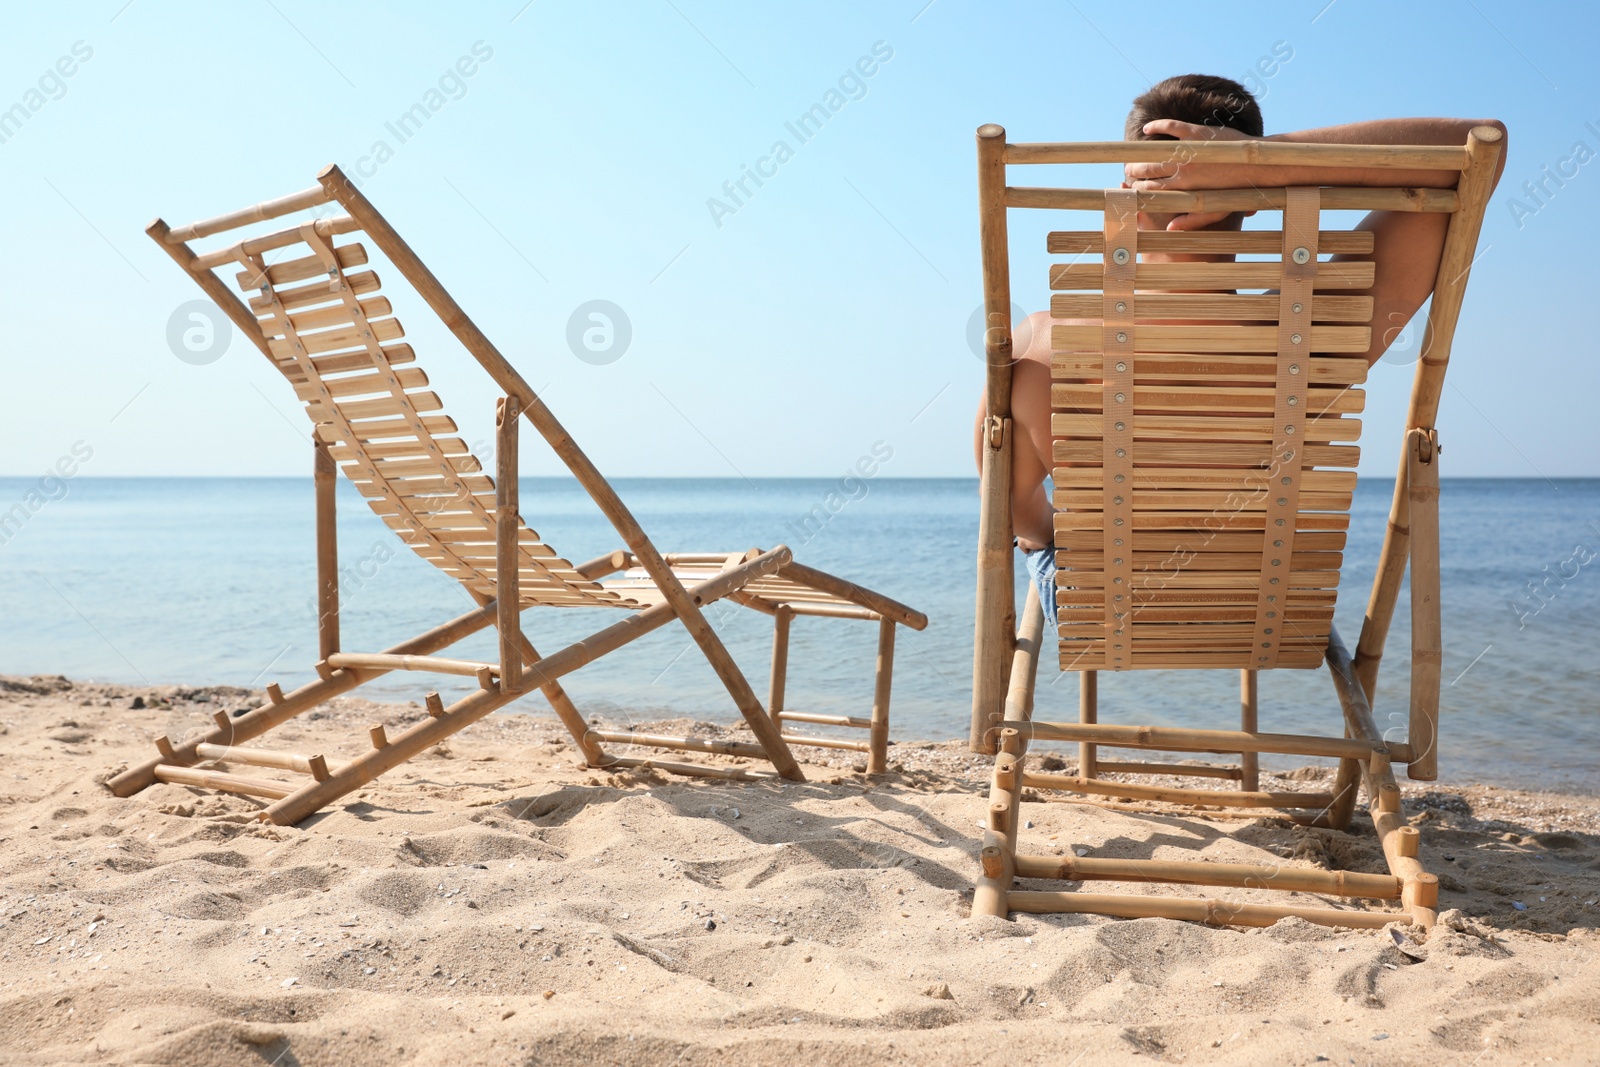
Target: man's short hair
1201 99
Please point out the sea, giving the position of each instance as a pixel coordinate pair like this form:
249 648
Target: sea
210 581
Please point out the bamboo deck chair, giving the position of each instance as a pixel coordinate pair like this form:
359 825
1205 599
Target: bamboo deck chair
326 327
1205 476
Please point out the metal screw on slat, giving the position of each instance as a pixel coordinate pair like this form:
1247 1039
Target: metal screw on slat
1122 337
1302 255
1117 562
1119 478
1283 501
1288 481
1120 257
1122 305
1294 368
1297 308
1116 522
1120 453
1117 541
1124 426
1289 428
1294 338
1267 630
1277 563
1122 366
1277 544
1116 500
1293 401
1271 599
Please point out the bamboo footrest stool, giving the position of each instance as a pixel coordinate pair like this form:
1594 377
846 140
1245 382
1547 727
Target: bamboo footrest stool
1202 458
325 326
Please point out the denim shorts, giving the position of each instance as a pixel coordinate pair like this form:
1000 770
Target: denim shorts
1042 566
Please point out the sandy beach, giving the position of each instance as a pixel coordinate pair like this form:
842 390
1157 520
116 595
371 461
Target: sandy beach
493 902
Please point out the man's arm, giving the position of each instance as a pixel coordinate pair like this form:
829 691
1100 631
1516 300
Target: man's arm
1406 244
1171 175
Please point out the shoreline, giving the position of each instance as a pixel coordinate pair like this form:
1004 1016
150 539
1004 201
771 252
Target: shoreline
491 901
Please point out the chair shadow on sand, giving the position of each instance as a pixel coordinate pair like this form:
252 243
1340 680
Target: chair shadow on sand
1503 873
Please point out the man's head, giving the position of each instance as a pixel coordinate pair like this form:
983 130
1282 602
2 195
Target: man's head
1202 99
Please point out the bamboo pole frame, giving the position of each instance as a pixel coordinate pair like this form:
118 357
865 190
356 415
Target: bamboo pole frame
1365 758
995 624
825 720
1427 647
883 678
1176 770
1238 875
385 661
232 783
1455 269
1025 660
1269 153
508 561
779 678
324 484
1249 762
1333 199
682 744
340 671
1225 798
1088 715
1181 739
993 892
315 766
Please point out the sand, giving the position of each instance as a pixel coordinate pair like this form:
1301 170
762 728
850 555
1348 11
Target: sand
494 903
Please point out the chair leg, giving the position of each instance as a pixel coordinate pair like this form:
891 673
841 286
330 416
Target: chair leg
325 480
998 858
996 622
1427 657
508 596
1088 714
878 752
781 620
1249 762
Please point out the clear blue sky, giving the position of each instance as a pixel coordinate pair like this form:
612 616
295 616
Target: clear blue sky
826 313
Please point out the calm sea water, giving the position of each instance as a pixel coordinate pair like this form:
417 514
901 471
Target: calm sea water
210 581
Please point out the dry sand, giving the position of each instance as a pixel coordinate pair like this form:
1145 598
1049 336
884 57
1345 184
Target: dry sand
493 903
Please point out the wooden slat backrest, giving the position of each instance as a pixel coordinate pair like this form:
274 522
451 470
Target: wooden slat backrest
1202 451
331 338
1203 418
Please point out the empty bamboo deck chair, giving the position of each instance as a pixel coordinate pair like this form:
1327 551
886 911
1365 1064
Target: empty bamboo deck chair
325 324
1203 448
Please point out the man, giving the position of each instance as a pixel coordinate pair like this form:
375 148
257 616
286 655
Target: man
1198 107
